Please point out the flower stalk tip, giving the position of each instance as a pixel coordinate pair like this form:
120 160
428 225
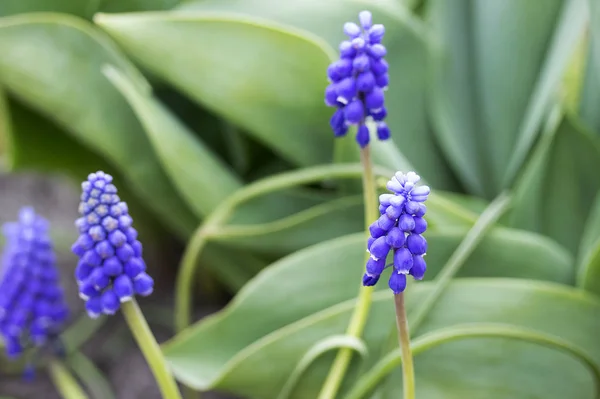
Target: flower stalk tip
111 269
399 229
358 81
33 309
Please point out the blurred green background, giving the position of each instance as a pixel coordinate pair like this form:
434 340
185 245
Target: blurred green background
192 103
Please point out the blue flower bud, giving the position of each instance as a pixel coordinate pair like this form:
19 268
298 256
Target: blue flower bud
385 222
403 260
380 248
419 267
420 225
366 19
362 136
369 280
143 284
383 132
376 231
416 244
376 33
124 288
375 267
354 112
396 238
406 222
397 282
351 29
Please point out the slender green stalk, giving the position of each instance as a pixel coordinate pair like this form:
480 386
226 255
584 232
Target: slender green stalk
154 356
363 303
65 382
369 381
408 369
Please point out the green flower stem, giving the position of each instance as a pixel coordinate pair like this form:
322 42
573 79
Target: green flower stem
64 381
363 303
154 356
369 381
408 369
486 221
185 278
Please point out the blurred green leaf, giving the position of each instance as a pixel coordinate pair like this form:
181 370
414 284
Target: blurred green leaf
53 63
80 8
590 98
117 6
406 43
559 185
268 347
279 101
53 150
497 65
319 223
588 265
92 378
201 178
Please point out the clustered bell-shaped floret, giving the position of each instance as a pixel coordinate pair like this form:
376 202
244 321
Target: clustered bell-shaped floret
111 269
32 305
358 80
399 229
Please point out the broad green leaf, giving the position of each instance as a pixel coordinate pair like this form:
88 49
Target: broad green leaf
81 8
562 170
406 42
61 78
202 179
117 6
490 95
588 265
276 97
590 98
269 346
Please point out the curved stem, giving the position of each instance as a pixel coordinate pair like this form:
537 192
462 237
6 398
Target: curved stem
370 380
408 369
154 356
184 282
64 381
363 302
466 247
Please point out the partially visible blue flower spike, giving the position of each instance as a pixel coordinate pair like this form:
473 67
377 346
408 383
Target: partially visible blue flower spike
399 228
111 269
358 80
32 305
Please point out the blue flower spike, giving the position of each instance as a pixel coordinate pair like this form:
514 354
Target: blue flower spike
111 269
399 230
32 304
358 80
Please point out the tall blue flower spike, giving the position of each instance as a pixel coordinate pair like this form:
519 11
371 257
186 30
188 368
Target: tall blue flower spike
111 269
358 80
399 228
32 304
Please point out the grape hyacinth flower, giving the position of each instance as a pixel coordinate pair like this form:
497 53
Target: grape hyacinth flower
399 228
32 305
110 269
358 80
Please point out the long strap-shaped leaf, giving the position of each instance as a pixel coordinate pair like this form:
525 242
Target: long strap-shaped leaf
370 380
